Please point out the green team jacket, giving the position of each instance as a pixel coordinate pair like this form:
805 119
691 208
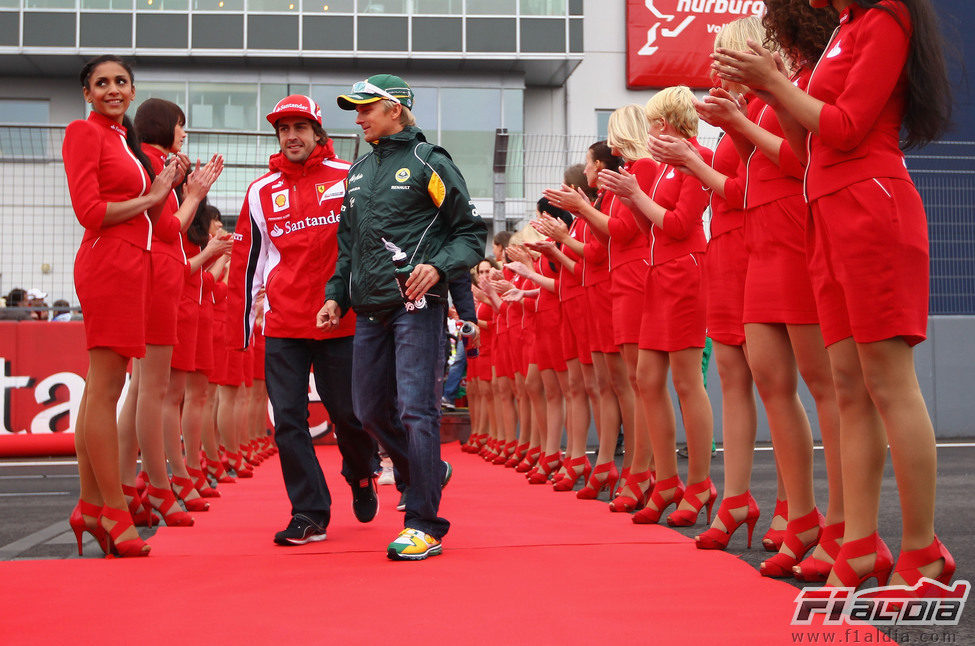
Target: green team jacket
409 192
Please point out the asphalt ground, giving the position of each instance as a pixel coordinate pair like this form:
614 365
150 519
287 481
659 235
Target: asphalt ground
38 494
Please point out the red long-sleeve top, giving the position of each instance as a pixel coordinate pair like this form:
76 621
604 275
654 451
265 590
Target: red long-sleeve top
100 169
546 300
862 80
166 232
684 198
568 284
726 215
627 240
594 267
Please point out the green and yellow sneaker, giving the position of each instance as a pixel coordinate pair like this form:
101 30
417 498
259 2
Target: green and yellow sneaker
413 545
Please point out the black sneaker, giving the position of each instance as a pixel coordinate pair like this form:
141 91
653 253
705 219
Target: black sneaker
448 471
364 501
401 505
299 531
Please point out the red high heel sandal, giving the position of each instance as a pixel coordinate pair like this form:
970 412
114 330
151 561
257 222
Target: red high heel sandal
123 521
595 484
183 487
779 565
716 539
173 517
910 562
520 452
79 526
648 515
530 460
141 513
201 484
813 570
772 541
215 471
239 466
576 468
505 451
687 517
620 483
546 466
628 503
882 565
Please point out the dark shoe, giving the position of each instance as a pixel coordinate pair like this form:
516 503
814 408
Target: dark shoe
447 473
364 501
401 505
299 531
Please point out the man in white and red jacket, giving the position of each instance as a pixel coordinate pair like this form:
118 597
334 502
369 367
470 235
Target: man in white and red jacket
285 243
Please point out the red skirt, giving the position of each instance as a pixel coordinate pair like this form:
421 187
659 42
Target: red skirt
868 257
600 319
725 267
204 344
626 289
673 306
548 340
166 291
111 278
575 330
502 356
187 324
777 285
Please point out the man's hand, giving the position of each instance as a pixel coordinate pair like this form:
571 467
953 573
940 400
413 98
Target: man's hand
328 317
420 281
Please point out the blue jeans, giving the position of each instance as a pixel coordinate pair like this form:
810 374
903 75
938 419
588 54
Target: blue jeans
397 382
456 371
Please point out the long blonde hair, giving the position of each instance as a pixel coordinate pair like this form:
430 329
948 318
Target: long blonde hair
628 132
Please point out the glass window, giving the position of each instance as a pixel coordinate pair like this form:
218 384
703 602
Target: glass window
468 118
273 5
452 7
218 5
162 5
175 92
328 6
543 7
15 4
491 7
425 109
602 123
223 106
107 4
336 119
49 4
24 142
25 111
383 6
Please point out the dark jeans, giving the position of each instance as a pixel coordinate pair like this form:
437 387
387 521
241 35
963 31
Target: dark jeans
287 365
396 386
456 371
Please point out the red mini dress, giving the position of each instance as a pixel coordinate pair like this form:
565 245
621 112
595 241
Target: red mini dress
188 314
204 328
593 272
112 266
575 306
673 296
868 235
168 265
548 323
485 357
627 249
726 260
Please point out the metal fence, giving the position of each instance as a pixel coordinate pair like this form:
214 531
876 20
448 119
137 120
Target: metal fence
39 234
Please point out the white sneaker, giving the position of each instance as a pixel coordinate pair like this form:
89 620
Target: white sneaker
386 477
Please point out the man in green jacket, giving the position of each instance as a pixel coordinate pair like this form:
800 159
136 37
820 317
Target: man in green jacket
408 226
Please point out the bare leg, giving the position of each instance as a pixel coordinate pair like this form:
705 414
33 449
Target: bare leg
128 441
609 409
577 401
536 396
209 438
554 414
625 395
652 389
696 414
154 374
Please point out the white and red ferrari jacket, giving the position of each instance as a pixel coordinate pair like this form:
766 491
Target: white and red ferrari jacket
285 243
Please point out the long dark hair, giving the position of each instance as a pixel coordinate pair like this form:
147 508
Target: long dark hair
156 121
131 135
928 111
199 230
601 152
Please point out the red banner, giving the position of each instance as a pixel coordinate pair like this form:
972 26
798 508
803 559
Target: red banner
42 377
668 41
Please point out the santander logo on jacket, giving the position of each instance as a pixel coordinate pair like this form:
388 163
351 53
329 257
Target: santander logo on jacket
285 242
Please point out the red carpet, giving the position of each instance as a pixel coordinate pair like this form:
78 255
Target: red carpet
521 565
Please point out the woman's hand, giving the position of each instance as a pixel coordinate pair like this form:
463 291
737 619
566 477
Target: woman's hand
571 199
514 295
479 295
545 247
183 167
519 268
673 150
199 181
495 274
163 184
219 245
550 227
757 68
519 253
501 286
623 183
721 109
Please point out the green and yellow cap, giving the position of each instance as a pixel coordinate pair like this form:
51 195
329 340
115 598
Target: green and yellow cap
376 88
